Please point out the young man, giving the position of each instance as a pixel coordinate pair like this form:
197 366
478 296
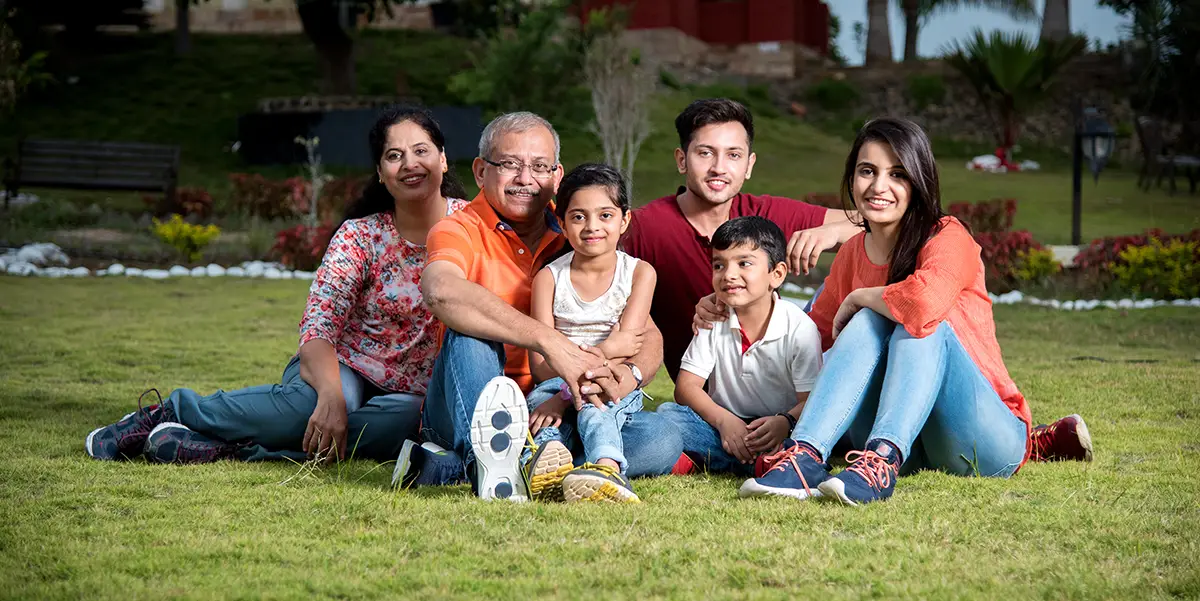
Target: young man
759 365
478 282
715 156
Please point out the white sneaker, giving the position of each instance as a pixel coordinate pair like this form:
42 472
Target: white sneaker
498 431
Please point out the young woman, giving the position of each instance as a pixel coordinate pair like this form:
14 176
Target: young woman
914 373
367 341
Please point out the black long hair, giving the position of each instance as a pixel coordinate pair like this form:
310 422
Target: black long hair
923 217
586 176
375 197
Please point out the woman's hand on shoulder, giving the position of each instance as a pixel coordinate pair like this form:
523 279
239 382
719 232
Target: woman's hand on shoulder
708 311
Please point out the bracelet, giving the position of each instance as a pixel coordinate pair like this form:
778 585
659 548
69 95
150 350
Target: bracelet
791 420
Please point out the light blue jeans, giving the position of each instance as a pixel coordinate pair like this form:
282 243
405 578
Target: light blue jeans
269 420
924 395
599 431
466 364
702 442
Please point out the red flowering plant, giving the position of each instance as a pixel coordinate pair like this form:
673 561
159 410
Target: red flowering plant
268 199
302 247
1097 260
1002 254
185 202
989 216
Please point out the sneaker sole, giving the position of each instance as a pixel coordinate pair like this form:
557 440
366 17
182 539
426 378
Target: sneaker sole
751 488
87 445
403 462
836 490
553 464
581 488
1085 438
499 427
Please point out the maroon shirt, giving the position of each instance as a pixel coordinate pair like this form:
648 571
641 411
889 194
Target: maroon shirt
660 235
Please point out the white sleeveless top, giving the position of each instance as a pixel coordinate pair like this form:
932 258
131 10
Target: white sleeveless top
590 322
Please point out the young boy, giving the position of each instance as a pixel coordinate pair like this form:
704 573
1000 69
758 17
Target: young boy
759 364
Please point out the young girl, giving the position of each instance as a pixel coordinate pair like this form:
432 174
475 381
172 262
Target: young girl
598 297
915 374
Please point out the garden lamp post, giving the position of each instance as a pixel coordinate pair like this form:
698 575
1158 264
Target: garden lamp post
1094 140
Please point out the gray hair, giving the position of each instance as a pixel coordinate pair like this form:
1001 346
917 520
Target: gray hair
517 122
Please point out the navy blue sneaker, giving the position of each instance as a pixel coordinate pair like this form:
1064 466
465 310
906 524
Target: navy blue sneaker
170 442
869 478
795 472
126 439
426 465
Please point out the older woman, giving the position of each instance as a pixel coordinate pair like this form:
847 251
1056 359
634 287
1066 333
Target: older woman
367 341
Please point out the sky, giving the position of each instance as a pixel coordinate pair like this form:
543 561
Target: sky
1086 18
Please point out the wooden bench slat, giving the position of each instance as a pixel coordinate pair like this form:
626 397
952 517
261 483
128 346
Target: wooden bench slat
98 183
52 175
99 156
68 164
35 145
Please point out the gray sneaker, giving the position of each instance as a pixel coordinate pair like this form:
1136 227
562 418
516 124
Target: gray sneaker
499 428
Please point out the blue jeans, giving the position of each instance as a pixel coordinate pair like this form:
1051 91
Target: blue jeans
702 442
466 364
269 421
924 395
599 431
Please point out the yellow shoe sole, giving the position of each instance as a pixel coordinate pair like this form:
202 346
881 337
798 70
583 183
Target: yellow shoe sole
584 487
546 477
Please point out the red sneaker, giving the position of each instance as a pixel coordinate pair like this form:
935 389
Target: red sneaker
1065 440
684 465
762 464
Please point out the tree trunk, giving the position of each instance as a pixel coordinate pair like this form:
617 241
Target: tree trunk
912 27
879 35
322 22
1056 20
183 33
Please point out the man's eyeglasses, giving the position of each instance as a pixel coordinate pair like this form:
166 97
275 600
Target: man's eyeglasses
539 169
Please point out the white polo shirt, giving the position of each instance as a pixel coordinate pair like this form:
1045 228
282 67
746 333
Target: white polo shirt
764 380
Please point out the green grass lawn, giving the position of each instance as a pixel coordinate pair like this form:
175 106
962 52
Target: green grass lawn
75 354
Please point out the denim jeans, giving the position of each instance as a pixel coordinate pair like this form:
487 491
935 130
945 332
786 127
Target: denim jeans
702 442
269 420
466 364
599 431
924 395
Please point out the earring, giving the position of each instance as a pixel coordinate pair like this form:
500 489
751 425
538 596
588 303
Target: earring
445 169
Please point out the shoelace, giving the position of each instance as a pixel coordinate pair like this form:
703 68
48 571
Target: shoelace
873 468
1040 439
146 410
787 457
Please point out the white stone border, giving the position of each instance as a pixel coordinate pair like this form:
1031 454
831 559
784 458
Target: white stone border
1016 297
248 269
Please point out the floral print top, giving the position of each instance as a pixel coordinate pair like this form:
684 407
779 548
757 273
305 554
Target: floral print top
366 302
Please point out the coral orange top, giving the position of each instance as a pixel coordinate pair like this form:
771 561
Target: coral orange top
946 286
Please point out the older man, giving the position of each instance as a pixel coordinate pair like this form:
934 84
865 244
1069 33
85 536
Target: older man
477 281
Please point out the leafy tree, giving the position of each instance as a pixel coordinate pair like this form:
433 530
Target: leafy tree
1011 73
916 12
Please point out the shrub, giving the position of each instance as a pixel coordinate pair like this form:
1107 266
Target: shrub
268 199
302 247
52 214
832 94
1002 256
337 194
185 201
1035 266
925 90
1160 270
991 216
187 238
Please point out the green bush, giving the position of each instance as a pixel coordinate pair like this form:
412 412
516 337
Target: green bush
1160 271
925 90
53 214
536 66
832 94
1035 266
669 80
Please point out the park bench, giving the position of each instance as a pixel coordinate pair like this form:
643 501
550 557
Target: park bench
89 165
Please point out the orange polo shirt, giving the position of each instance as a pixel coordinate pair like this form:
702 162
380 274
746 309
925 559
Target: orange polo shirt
493 256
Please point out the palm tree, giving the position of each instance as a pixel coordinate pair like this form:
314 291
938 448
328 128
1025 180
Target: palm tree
916 11
1056 20
879 35
1011 73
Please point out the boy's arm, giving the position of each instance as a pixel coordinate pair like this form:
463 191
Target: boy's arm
542 309
689 392
626 342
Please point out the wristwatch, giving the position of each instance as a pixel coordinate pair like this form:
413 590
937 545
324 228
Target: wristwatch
637 373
